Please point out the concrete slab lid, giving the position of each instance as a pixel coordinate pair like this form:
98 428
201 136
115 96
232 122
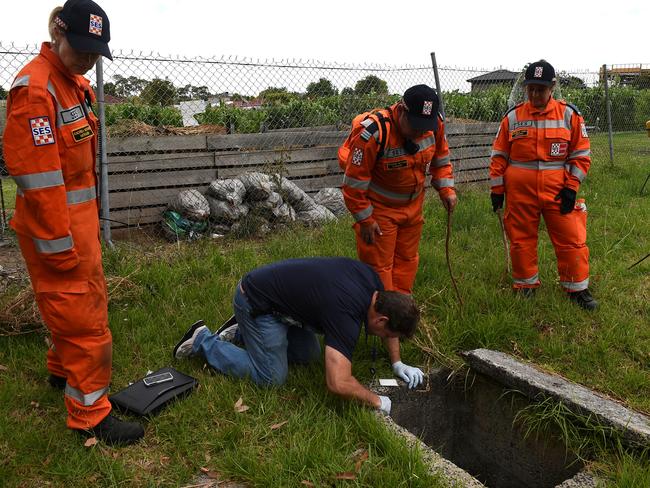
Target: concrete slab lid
531 381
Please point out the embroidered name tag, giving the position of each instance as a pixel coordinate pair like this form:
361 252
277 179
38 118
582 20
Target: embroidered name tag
523 123
82 133
519 133
72 114
41 131
396 164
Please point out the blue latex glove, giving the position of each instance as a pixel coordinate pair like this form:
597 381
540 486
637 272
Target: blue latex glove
412 376
386 405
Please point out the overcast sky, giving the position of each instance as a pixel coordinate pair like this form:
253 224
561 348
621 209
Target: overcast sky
572 35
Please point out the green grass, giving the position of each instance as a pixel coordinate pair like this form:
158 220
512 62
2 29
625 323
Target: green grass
174 285
9 192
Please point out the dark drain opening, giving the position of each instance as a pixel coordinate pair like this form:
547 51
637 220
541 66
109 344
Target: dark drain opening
469 421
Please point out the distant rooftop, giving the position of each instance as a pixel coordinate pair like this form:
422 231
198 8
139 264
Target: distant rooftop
498 75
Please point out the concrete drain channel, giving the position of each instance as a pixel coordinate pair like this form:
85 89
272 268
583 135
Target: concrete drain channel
465 424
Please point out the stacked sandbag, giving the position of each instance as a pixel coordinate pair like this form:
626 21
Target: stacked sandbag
332 199
186 217
255 203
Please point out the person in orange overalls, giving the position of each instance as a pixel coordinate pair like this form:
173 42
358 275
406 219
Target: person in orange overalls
539 159
386 158
50 143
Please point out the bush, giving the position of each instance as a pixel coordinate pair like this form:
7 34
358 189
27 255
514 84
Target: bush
149 114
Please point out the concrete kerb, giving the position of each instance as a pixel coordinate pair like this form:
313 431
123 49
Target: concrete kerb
634 427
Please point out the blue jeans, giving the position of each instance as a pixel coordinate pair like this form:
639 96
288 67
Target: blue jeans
270 346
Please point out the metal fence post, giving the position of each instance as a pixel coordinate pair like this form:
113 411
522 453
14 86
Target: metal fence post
103 157
438 89
609 115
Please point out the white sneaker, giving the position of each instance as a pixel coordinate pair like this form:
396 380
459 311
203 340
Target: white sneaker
229 334
183 348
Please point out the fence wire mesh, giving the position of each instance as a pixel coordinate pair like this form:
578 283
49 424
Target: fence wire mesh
182 131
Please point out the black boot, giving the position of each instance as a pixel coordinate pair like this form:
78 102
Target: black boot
57 382
584 299
114 431
526 292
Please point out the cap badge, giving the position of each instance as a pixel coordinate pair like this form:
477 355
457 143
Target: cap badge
538 71
427 107
95 25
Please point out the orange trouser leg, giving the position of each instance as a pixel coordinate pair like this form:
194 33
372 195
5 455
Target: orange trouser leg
73 305
394 255
521 221
406 261
381 254
568 234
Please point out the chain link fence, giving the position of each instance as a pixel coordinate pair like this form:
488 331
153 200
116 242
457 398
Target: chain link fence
181 132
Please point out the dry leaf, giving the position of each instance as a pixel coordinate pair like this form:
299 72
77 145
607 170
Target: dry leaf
363 457
307 483
205 470
214 475
90 442
164 460
240 407
35 404
278 425
346 476
3 368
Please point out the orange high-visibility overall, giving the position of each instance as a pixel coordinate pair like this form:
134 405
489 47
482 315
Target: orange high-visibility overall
387 187
535 154
49 148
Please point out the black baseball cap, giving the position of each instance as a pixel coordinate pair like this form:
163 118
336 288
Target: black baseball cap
86 27
539 73
421 102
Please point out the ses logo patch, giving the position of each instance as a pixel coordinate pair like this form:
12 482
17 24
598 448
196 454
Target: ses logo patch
41 131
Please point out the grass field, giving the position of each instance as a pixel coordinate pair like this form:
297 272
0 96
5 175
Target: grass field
172 286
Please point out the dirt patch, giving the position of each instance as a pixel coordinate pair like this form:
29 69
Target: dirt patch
128 127
12 265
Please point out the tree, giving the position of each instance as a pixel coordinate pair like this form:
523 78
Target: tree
273 95
347 91
190 92
642 81
570 81
3 94
125 87
159 92
321 88
371 84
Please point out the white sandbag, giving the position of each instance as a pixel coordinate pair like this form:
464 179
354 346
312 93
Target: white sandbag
258 186
293 194
191 204
332 199
229 190
221 211
318 215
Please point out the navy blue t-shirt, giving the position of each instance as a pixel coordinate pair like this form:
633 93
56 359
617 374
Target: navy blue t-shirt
330 295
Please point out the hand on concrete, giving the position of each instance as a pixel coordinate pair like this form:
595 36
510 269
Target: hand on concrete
386 405
412 376
369 231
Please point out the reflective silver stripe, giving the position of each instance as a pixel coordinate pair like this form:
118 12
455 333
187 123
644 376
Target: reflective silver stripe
366 122
80 196
496 181
499 153
19 192
354 183
568 112
87 399
426 143
527 281
539 165
20 81
442 183
438 162
364 214
577 172
541 124
35 181
579 286
580 153
404 197
512 119
53 246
